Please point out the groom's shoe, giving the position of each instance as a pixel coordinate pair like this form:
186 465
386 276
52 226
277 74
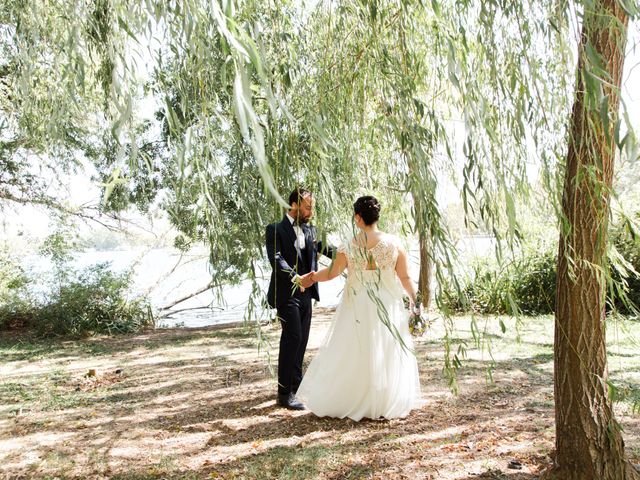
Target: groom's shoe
289 400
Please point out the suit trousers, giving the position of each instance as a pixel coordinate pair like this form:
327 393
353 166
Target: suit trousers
295 318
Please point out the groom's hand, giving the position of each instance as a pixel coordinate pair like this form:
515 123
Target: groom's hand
307 280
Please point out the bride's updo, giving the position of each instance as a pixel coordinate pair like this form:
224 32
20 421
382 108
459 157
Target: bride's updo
368 208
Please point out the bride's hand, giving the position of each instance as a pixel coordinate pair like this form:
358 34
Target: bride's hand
307 280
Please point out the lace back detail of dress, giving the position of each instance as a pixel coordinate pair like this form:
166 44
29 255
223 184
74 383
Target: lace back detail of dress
382 256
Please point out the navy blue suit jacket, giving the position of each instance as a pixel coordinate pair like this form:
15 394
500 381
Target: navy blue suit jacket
287 261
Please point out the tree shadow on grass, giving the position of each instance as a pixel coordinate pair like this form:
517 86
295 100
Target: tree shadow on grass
240 421
499 475
229 401
281 462
25 346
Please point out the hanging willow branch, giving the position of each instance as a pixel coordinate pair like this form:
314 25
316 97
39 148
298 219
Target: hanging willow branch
412 101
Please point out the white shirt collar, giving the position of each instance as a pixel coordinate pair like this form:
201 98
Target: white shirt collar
299 233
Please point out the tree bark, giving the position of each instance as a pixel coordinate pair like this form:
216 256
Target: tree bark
426 266
589 444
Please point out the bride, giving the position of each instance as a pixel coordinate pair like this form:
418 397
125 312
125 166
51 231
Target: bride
366 366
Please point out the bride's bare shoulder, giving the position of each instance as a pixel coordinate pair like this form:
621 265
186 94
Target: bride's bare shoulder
392 239
357 241
389 237
346 245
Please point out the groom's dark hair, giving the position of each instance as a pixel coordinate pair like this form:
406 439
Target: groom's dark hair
298 194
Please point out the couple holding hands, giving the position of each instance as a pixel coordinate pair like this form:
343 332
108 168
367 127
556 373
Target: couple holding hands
365 367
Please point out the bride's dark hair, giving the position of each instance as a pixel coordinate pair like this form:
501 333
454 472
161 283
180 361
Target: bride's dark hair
368 208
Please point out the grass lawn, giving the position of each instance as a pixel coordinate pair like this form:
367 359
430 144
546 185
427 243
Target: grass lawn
199 403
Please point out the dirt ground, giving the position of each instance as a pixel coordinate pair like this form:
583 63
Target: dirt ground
199 404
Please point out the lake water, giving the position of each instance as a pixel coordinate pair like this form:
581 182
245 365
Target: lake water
167 276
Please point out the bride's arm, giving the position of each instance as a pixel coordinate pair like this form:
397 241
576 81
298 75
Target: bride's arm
332 271
402 270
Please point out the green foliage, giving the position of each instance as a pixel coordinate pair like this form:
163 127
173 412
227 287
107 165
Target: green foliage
380 97
533 284
525 285
59 247
94 300
257 97
14 293
13 279
49 109
624 259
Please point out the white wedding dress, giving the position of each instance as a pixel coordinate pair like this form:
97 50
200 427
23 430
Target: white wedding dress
362 369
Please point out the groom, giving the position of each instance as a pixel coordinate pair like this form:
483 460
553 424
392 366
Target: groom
293 249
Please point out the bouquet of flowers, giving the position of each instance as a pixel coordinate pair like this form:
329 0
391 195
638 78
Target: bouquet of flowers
418 321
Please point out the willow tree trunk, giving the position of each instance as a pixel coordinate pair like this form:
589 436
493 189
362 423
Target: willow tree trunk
424 278
589 444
